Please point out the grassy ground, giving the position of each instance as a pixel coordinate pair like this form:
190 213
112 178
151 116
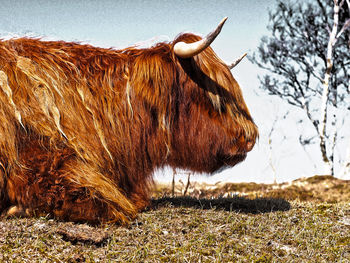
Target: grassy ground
185 229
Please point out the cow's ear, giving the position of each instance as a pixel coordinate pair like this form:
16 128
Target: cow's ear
187 50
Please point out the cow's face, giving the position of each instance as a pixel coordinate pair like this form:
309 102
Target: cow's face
214 127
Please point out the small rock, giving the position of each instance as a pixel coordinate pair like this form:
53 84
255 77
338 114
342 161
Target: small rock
83 234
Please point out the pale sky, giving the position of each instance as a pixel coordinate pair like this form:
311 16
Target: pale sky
108 23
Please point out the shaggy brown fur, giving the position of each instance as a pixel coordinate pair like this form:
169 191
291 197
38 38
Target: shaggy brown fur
83 128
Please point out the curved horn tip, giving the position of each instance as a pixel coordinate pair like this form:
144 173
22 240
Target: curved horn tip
223 20
185 50
211 36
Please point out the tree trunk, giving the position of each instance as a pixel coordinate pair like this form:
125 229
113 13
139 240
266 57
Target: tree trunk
328 162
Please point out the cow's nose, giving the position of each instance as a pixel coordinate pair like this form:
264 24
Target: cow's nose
249 146
243 145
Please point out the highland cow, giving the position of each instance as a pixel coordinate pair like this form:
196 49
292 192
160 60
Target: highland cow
83 128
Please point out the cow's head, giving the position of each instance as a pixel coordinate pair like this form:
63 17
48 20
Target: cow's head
212 125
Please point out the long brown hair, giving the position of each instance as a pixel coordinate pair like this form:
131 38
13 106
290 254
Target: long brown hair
84 123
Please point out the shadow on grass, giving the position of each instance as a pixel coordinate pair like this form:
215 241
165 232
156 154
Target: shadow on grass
239 204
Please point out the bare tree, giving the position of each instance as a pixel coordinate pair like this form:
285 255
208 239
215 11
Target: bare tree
307 59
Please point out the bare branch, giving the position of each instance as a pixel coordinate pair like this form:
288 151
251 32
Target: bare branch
173 183
188 183
345 27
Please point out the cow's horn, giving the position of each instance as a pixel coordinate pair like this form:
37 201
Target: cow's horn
187 50
237 61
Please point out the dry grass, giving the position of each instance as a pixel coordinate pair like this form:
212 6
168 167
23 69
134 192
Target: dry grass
184 229
316 189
